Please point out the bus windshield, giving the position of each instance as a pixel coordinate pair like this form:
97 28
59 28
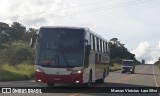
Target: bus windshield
60 47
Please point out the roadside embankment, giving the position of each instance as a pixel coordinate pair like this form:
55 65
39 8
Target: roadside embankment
17 72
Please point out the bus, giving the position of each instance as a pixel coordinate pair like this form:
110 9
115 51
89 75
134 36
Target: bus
70 55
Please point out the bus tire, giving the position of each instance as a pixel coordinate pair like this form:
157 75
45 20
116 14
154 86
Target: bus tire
100 81
132 72
50 84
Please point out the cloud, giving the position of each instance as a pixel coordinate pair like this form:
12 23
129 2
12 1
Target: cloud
29 11
145 51
141 49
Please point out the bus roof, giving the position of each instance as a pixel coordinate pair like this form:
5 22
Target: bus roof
128 60
65 27
98 35
73 27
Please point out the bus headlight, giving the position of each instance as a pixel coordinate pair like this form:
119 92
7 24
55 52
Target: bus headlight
76 72
131 68
39 70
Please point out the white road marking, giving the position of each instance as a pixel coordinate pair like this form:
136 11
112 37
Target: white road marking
155 79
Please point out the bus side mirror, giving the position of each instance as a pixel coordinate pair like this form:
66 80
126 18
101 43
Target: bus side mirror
86 42
33 40
88 48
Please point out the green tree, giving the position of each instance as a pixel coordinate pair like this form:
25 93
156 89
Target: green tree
4 34
17 53
119 52
17 31
28 34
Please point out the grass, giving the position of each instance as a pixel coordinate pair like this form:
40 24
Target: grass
18 72
115 67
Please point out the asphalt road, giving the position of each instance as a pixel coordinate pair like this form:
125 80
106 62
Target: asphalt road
145 76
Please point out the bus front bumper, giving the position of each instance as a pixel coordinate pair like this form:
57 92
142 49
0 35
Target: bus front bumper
59 79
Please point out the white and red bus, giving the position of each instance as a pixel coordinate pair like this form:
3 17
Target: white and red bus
70 55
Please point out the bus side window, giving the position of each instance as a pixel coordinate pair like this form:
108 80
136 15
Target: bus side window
93 43
91 39
95 39
104 47
97 44
107 50
100 46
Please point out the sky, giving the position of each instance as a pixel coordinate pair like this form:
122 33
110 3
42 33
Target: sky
136 23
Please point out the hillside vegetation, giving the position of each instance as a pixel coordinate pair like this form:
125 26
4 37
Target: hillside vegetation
16 59
118 52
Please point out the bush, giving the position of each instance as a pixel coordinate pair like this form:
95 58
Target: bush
116 61
18 72
17 53
115 67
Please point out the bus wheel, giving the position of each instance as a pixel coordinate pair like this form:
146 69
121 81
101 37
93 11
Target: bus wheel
132 72
50 84
99 81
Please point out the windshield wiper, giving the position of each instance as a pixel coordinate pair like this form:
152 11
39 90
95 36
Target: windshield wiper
63 55
65 58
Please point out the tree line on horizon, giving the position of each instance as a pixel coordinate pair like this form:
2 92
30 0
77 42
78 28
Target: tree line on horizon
15 38
118 52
